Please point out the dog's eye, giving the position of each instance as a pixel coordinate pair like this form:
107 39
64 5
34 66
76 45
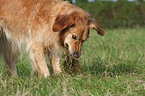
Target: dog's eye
74 37
73 25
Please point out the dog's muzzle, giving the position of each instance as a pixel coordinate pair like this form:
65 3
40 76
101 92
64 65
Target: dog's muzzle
75 54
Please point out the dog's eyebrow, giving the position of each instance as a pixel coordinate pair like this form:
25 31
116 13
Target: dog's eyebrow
65 30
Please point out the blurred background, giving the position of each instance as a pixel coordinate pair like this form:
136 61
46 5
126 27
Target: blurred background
115 13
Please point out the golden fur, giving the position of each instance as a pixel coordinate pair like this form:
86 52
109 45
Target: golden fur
42 25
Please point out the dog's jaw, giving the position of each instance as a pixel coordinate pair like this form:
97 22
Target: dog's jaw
68 42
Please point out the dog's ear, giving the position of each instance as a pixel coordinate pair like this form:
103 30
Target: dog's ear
94 25
62 21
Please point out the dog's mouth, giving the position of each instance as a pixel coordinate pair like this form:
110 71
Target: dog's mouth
66 47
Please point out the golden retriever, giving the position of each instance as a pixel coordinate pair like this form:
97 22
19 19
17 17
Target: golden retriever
40 26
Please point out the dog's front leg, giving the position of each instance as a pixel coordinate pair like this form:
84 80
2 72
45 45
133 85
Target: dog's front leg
55 63
38 58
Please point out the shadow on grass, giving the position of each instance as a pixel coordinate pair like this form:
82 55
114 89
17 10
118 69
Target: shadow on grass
98 67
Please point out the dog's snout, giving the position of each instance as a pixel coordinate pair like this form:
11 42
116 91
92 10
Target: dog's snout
77 55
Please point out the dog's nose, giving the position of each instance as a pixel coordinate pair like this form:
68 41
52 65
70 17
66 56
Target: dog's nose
77 55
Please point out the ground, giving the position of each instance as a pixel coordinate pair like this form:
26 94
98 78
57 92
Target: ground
112 65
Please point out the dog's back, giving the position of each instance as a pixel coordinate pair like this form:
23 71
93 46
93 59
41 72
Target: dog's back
19 16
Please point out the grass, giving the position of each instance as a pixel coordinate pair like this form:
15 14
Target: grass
112 65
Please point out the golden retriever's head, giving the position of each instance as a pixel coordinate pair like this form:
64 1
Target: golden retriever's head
74 29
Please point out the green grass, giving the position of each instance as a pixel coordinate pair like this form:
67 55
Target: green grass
112 65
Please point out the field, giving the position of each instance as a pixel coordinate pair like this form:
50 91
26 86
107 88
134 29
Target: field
112 65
